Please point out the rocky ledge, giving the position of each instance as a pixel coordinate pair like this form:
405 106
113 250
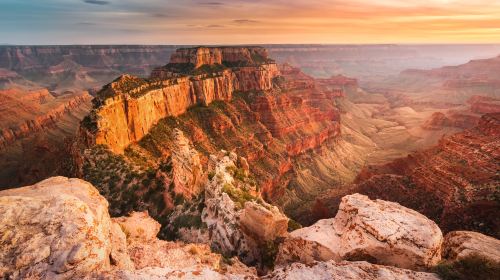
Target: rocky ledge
60 229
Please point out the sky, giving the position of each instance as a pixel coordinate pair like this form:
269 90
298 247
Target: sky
248 22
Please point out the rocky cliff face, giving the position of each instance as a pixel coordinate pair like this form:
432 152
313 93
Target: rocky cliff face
27 113
34 128
130 106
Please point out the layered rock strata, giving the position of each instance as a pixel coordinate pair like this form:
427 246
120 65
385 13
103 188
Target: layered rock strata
130 106
29 112
277 130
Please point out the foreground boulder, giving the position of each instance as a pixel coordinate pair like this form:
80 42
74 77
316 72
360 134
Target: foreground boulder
60 229
56 229
461 244
347 270
376 231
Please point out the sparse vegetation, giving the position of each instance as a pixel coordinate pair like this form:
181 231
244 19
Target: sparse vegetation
293 225
239 196
269 250
473 267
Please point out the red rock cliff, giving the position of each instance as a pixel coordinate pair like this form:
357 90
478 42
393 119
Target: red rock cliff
128 108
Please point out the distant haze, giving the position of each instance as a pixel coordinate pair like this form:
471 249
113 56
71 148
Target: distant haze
248 22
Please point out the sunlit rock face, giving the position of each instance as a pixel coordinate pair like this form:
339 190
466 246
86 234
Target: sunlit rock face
60 229
56 229
377 231
127 108
235 220
454 183
462 244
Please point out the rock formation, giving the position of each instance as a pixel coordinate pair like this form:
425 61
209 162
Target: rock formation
347 270
56 229
376 231
187 171
28 112
130 106
60 229
461 244
235 220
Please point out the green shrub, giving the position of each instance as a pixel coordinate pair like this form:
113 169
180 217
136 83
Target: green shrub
469 268
239 196
293 225
268 253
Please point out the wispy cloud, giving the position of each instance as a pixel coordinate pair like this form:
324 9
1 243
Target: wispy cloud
97 2
211 3
245 21
159 15
215 26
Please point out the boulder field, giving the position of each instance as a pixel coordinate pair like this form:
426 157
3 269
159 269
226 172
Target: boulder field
60 228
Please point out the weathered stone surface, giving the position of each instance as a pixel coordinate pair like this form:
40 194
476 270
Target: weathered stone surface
387 233
346 270
460 244
60 229
318 242
298 249
377 231
56 229
267 223
119 253
138 225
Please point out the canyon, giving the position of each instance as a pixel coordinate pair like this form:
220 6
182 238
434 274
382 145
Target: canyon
35 126
248 166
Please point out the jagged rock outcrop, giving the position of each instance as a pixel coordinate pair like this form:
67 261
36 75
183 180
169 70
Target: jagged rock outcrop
187 171
347 270
238 221
60 229
220 55
461 244
377 231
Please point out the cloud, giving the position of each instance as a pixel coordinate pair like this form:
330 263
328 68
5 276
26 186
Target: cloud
97 2
245 21
159 15
211 3
215 26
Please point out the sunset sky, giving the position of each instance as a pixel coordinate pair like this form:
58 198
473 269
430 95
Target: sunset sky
248 22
